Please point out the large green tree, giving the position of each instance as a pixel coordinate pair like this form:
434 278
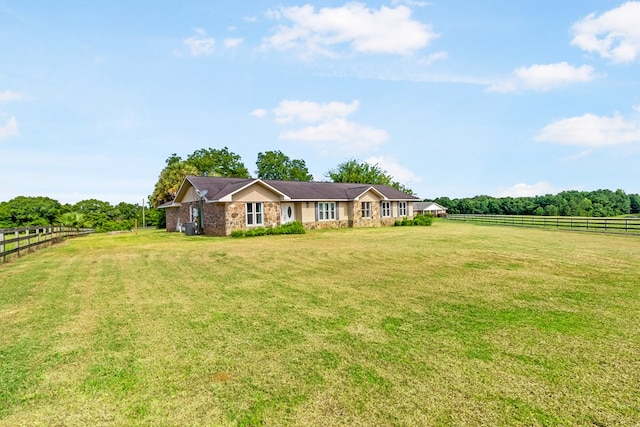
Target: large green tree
170 179
205 161
359 172
25 211
277 165
218 162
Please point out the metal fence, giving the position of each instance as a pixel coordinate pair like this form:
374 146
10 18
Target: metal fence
602 225
15 241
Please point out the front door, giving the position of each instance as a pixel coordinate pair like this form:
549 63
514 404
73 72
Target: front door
288 213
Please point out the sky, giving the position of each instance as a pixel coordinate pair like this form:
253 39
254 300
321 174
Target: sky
452 98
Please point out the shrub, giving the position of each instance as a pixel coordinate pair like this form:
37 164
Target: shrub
423 220
290 228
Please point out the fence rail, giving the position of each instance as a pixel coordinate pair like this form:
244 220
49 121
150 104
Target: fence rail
603 225
26 239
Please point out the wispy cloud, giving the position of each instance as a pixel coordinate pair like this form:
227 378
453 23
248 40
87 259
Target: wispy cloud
544 77
328 127
9 96
352 28
614 35
259 112
232 42
590 130
528 190
200 44
310 112
395 169
9 129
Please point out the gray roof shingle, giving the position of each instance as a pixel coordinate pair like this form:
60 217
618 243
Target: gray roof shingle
218 187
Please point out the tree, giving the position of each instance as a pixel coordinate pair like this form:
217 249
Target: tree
170 179
277 165
215 162
24 211
634 202
357 172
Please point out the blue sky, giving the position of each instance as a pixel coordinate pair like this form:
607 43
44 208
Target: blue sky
452 98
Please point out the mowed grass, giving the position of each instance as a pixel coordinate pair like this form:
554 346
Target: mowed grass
454 324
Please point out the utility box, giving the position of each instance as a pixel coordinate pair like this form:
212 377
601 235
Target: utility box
190 228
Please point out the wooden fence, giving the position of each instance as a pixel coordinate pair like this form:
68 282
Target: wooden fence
629 226
15 241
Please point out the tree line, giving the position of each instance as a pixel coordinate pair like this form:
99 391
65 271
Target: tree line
25 211
102 216
599 203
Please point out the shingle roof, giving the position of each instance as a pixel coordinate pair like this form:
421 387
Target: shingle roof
420 206
218 188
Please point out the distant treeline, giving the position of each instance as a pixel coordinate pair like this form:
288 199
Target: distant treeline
599 203
102 216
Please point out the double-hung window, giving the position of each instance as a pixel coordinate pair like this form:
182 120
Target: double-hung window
385 207
366 209
402 208
254 214
326 211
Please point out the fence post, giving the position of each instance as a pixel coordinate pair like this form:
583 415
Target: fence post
2 245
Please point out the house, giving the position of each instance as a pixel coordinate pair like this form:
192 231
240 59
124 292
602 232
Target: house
217 206
423 208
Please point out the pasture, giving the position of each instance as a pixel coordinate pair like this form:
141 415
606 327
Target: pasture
453 324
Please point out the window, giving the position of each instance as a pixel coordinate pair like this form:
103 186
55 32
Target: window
254 214
402 208
366 209
386 208
326 211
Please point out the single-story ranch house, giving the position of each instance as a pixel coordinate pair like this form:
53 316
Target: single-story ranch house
217 206
424 208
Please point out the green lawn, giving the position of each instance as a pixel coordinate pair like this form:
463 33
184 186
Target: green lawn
453 324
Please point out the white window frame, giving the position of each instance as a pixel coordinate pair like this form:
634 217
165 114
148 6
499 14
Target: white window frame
385 209
326 211
402 208
366 209
254 214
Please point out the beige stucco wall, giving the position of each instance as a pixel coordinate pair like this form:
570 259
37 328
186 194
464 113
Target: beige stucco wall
190 196
307 212
369 196
256 193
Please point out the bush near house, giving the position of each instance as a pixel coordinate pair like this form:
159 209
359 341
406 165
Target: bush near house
295 227
423 220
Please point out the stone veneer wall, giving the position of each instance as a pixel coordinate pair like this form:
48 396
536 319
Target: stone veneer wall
317 225
223 218
359 221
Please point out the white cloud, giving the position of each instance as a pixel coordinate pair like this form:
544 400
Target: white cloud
544 77
526 190
8 96
9 129
351 28
259 112
326 127
590 130
200 44
414 3
395 169
613 35
341 135
232 42
311 112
